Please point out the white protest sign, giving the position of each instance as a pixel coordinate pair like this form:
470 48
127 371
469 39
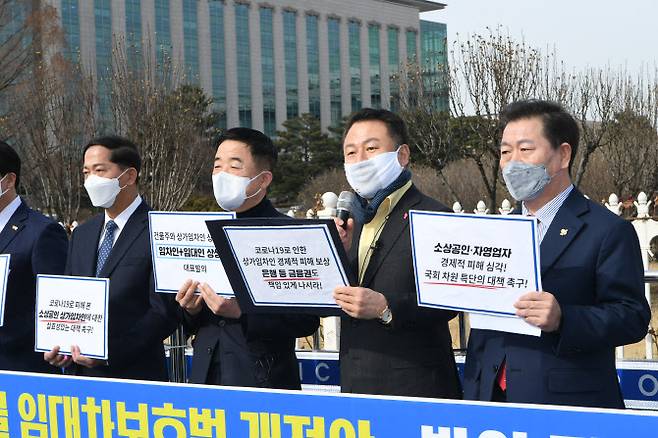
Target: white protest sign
474 263
4 277
182 249
72 311
294 265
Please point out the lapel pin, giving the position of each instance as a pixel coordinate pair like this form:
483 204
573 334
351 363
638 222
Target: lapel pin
14 227
563 232
405 216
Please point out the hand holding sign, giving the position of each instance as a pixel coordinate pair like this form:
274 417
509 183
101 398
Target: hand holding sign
226 307
540 309
188 299
360 302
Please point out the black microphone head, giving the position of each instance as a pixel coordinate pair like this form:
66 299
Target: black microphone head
345 206
345 201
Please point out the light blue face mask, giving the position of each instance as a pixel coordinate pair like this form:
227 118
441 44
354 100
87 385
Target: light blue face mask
524 181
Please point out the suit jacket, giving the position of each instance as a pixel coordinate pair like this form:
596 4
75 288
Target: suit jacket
591 262
413 355
138 318
37 245
256 350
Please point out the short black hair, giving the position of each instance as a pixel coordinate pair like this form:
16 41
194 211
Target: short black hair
123 151
558 125
260 145
394 123
10 162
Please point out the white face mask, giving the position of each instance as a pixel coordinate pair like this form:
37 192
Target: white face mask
231 190
370 176
103 191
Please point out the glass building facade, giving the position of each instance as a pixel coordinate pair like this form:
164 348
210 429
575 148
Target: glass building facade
375 68
363 51
354 31
393 65
267 65
162 32
313 64
434 60
243 53
333 31
71 26
217 59
290 62
133 32
412 48
103 23
191 40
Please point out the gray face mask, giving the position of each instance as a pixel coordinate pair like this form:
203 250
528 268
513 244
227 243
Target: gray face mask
525 181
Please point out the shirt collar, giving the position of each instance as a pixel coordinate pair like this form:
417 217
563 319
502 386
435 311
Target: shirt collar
391 200
547 213
9 211
123 217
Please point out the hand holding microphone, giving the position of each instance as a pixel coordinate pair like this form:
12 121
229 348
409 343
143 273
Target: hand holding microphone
344 223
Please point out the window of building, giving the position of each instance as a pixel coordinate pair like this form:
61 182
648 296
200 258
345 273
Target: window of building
313 63
375 68
71 27
191 40
216 13
290 55
354 30
244 63
267 64
333 28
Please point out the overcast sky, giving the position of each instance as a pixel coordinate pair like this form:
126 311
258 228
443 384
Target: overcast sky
583 32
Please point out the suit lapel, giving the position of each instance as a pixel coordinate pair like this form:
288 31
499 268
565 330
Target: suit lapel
14 226
135 225
563 230
86 253
396 224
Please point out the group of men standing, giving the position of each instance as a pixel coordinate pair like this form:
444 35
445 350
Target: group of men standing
593 276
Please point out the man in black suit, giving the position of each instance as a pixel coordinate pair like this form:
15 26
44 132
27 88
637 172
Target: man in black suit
36 245
232 348
389 345
115 245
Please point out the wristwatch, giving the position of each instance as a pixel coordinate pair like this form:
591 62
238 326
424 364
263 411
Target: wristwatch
386 316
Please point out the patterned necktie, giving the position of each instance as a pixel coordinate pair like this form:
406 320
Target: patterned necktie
106 245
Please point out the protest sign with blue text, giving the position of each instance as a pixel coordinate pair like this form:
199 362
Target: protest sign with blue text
474 263
183 249
72 311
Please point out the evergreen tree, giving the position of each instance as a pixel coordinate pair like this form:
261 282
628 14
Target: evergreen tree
304 152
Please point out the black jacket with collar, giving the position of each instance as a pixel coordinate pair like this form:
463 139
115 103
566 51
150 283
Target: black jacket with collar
256 350
413 355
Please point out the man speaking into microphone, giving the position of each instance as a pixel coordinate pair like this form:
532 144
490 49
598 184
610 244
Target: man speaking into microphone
388 344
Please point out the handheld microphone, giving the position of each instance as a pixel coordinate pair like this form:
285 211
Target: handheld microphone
344 206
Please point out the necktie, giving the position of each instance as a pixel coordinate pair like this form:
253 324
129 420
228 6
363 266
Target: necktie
106 245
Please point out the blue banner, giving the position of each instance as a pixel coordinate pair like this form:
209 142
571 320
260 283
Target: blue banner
33 405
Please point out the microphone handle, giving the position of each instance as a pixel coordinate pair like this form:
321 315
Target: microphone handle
344 215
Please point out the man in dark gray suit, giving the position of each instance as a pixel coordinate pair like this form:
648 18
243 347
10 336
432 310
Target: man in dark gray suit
389 345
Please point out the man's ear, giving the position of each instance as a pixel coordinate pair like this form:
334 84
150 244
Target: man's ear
267 178
404 155
565 155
